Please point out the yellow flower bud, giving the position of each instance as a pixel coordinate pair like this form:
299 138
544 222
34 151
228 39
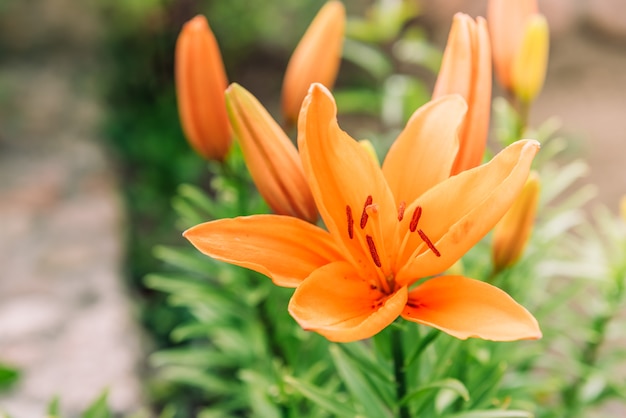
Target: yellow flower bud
622 208
511 234
270 156
200 83
466 70
531 61
315 59
506 20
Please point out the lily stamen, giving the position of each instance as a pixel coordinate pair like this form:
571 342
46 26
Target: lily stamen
350 221
373 252
417 213
401 209
364 215
428 242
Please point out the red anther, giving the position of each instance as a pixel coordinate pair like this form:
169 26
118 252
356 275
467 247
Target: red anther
401 210
364 215
373 252
428 242
417 213
350 222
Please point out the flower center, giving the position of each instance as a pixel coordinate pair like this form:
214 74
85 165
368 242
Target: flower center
372 238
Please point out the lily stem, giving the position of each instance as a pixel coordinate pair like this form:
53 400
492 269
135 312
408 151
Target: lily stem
399 370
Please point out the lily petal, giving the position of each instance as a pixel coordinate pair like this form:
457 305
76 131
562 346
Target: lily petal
284 248
337 303
344 178
428 145
465 308
458 212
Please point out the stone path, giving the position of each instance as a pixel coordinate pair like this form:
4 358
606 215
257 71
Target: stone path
65 319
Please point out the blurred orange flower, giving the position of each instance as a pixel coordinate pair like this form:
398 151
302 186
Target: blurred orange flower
388 229
466 70
507 21
200 83
316 59
270 156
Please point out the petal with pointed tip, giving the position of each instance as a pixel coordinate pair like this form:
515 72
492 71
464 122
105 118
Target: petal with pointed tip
337 303
466 308
423 154
283 248
342 174
458 212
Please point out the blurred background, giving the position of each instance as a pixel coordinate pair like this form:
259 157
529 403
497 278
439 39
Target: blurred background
91 154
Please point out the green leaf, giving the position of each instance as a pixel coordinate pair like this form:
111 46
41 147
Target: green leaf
99 408
326 400
453 385
258 388
188 259
8 376
201 357
359 385
209 382
493 414
54 408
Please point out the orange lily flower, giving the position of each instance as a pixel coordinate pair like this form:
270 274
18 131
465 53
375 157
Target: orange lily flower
316 59
507 22
466 70
271 157
388 229
200 83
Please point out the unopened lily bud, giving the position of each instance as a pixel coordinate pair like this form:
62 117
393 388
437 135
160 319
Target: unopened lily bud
507 21
512 232
622 208
316 59
270 156
531 61
367 145
466 70
200 83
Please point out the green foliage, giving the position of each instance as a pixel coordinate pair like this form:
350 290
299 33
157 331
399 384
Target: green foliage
8 376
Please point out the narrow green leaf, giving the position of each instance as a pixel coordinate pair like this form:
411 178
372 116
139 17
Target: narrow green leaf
258 388
99 408
451 384
199 199
54 408
421 346
325 400
361 388
8 376
493 414
188 259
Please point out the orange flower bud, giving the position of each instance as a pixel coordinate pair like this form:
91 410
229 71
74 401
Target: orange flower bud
507 21
512 232
315 59
466 70
271 157
531 61
200 83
